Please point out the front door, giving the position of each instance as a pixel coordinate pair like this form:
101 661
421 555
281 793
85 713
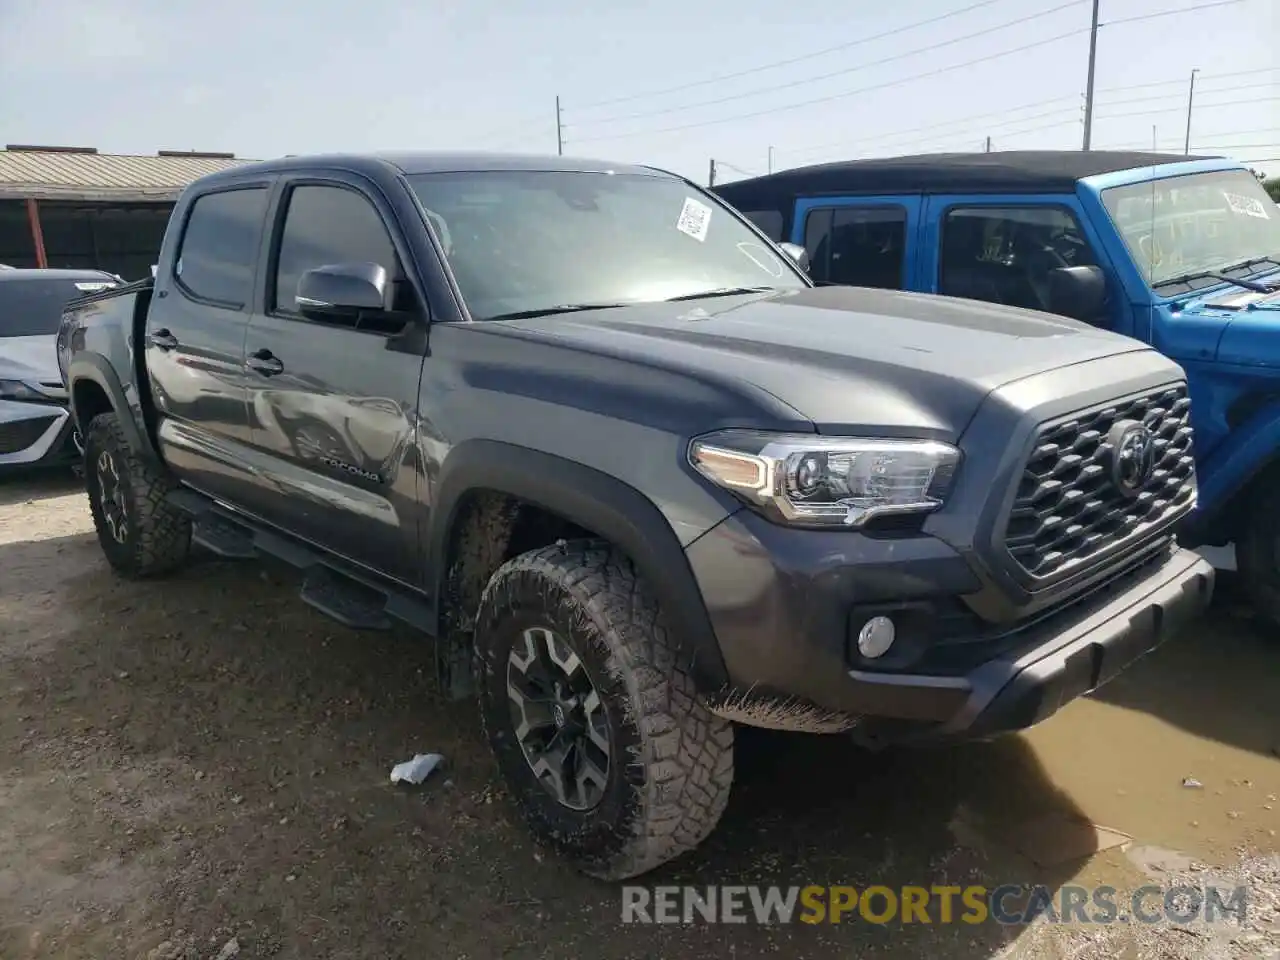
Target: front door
195 339
333 402
859 241
1003 249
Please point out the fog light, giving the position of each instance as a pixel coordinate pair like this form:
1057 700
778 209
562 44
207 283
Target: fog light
876 637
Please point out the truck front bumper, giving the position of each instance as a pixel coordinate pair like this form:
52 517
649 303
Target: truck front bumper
786 607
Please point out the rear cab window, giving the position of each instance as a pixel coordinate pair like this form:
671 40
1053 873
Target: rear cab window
219 246
33 307
861 246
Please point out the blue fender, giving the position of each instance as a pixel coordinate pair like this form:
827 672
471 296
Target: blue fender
1246 451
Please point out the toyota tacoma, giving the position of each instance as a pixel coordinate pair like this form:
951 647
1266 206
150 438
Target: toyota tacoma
640 479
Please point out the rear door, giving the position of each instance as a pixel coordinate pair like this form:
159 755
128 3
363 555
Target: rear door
859 241
195 337
333 401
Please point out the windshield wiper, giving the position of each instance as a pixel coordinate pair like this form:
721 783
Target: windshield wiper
1257 286
1253 285
720 292
562 308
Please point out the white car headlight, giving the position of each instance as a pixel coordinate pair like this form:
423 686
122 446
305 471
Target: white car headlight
17 390
814 481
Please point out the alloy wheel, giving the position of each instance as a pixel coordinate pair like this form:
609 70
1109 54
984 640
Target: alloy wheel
559 719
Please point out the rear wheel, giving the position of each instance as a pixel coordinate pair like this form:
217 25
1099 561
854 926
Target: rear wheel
597 729
1258 553
141 534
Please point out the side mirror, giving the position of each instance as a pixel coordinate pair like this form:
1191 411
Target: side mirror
797 253
342 289
1078 292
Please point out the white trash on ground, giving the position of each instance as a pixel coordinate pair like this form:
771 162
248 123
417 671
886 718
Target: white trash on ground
417 769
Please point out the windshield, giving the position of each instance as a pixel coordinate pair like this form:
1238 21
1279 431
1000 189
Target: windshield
32 308
521 241
1195 223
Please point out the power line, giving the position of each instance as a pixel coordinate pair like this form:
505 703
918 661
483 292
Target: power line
791 60
892 83
1181 81
946 123
1182 109
879 142
772 88
841 96
1170 13
1166 96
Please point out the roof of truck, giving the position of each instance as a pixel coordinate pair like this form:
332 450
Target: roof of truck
1012 171
411 162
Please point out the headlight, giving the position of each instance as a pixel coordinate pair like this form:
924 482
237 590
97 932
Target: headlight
814 481
17 390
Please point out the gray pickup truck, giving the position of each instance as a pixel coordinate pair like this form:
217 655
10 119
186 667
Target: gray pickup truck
604 441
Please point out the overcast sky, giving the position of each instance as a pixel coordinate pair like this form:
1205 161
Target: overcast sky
668 82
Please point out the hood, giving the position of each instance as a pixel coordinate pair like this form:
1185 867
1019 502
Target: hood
32 359
1250 323
897 363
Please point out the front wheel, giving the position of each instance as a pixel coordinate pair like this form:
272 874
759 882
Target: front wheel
141 534
597 729
1258 554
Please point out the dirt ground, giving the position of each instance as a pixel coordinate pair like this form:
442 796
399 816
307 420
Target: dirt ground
198 768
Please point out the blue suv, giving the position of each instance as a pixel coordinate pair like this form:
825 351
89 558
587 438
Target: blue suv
1180 252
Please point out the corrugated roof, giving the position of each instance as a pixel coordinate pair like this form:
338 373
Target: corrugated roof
51 175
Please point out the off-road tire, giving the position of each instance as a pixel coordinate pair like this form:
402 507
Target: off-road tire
158 536
1258 552
671 763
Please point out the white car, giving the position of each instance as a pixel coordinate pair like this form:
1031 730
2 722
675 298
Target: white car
35 423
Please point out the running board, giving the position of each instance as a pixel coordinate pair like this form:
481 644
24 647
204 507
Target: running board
346 594
351 604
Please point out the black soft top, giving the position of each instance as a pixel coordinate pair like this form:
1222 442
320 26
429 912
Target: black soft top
1028 171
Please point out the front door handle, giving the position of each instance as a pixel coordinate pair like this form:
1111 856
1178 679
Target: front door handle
162 339
264 362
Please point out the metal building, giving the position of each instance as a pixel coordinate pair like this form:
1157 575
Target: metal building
75 207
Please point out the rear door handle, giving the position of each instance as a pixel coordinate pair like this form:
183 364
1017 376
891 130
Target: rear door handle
264 362
162 339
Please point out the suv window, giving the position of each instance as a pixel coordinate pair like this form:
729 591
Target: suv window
1005 254
769 221
220 245
31 308
326 225
857 246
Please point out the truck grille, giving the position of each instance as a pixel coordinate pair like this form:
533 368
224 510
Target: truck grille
1070 508
20 434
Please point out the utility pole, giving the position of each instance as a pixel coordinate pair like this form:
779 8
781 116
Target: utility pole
988 150
1191 95
711 175
559 130
1088 93
1154 148
770 167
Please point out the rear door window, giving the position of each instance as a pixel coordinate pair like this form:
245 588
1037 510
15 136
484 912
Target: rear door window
220 245
769 221
857 246
33 308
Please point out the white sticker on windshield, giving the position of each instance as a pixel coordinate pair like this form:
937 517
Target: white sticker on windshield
694 220
94 286
1249 206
